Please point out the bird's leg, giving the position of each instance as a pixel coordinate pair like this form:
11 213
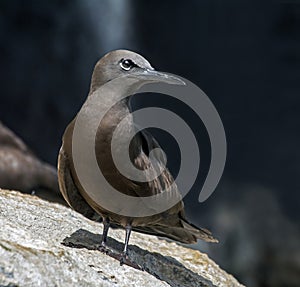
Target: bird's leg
106 225
124 256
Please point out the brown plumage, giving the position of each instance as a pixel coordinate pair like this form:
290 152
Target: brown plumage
171 223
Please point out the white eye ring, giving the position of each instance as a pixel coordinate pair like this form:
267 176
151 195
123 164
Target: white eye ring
126 64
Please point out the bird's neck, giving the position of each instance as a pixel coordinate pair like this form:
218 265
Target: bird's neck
118 116
117 123
112 101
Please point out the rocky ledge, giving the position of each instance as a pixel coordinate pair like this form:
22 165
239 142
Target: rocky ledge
47 244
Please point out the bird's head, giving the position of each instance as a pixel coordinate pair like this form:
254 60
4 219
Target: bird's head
120 63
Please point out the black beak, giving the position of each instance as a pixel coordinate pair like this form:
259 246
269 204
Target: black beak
156 76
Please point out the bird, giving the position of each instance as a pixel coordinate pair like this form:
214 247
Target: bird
171 223
21 170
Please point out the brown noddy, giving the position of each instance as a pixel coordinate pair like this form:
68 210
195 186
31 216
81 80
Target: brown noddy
171 223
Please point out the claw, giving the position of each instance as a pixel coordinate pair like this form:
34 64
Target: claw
103 248
123 258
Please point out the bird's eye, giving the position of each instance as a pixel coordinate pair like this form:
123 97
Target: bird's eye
127 64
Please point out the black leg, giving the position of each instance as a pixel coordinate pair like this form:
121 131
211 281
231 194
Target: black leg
128 232
122 257
106 225
125 250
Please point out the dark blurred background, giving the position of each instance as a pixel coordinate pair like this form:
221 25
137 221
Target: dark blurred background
245 55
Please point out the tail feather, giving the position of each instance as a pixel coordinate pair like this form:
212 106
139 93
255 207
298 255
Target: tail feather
198 232
186 234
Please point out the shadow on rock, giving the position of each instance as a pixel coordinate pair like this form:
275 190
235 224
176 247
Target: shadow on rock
165 268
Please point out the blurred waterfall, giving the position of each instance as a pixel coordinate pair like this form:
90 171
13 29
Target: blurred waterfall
112 23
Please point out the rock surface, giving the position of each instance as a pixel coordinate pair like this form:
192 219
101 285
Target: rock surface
20 169
47 244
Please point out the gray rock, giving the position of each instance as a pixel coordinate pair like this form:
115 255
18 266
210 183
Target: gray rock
21 170
47 244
